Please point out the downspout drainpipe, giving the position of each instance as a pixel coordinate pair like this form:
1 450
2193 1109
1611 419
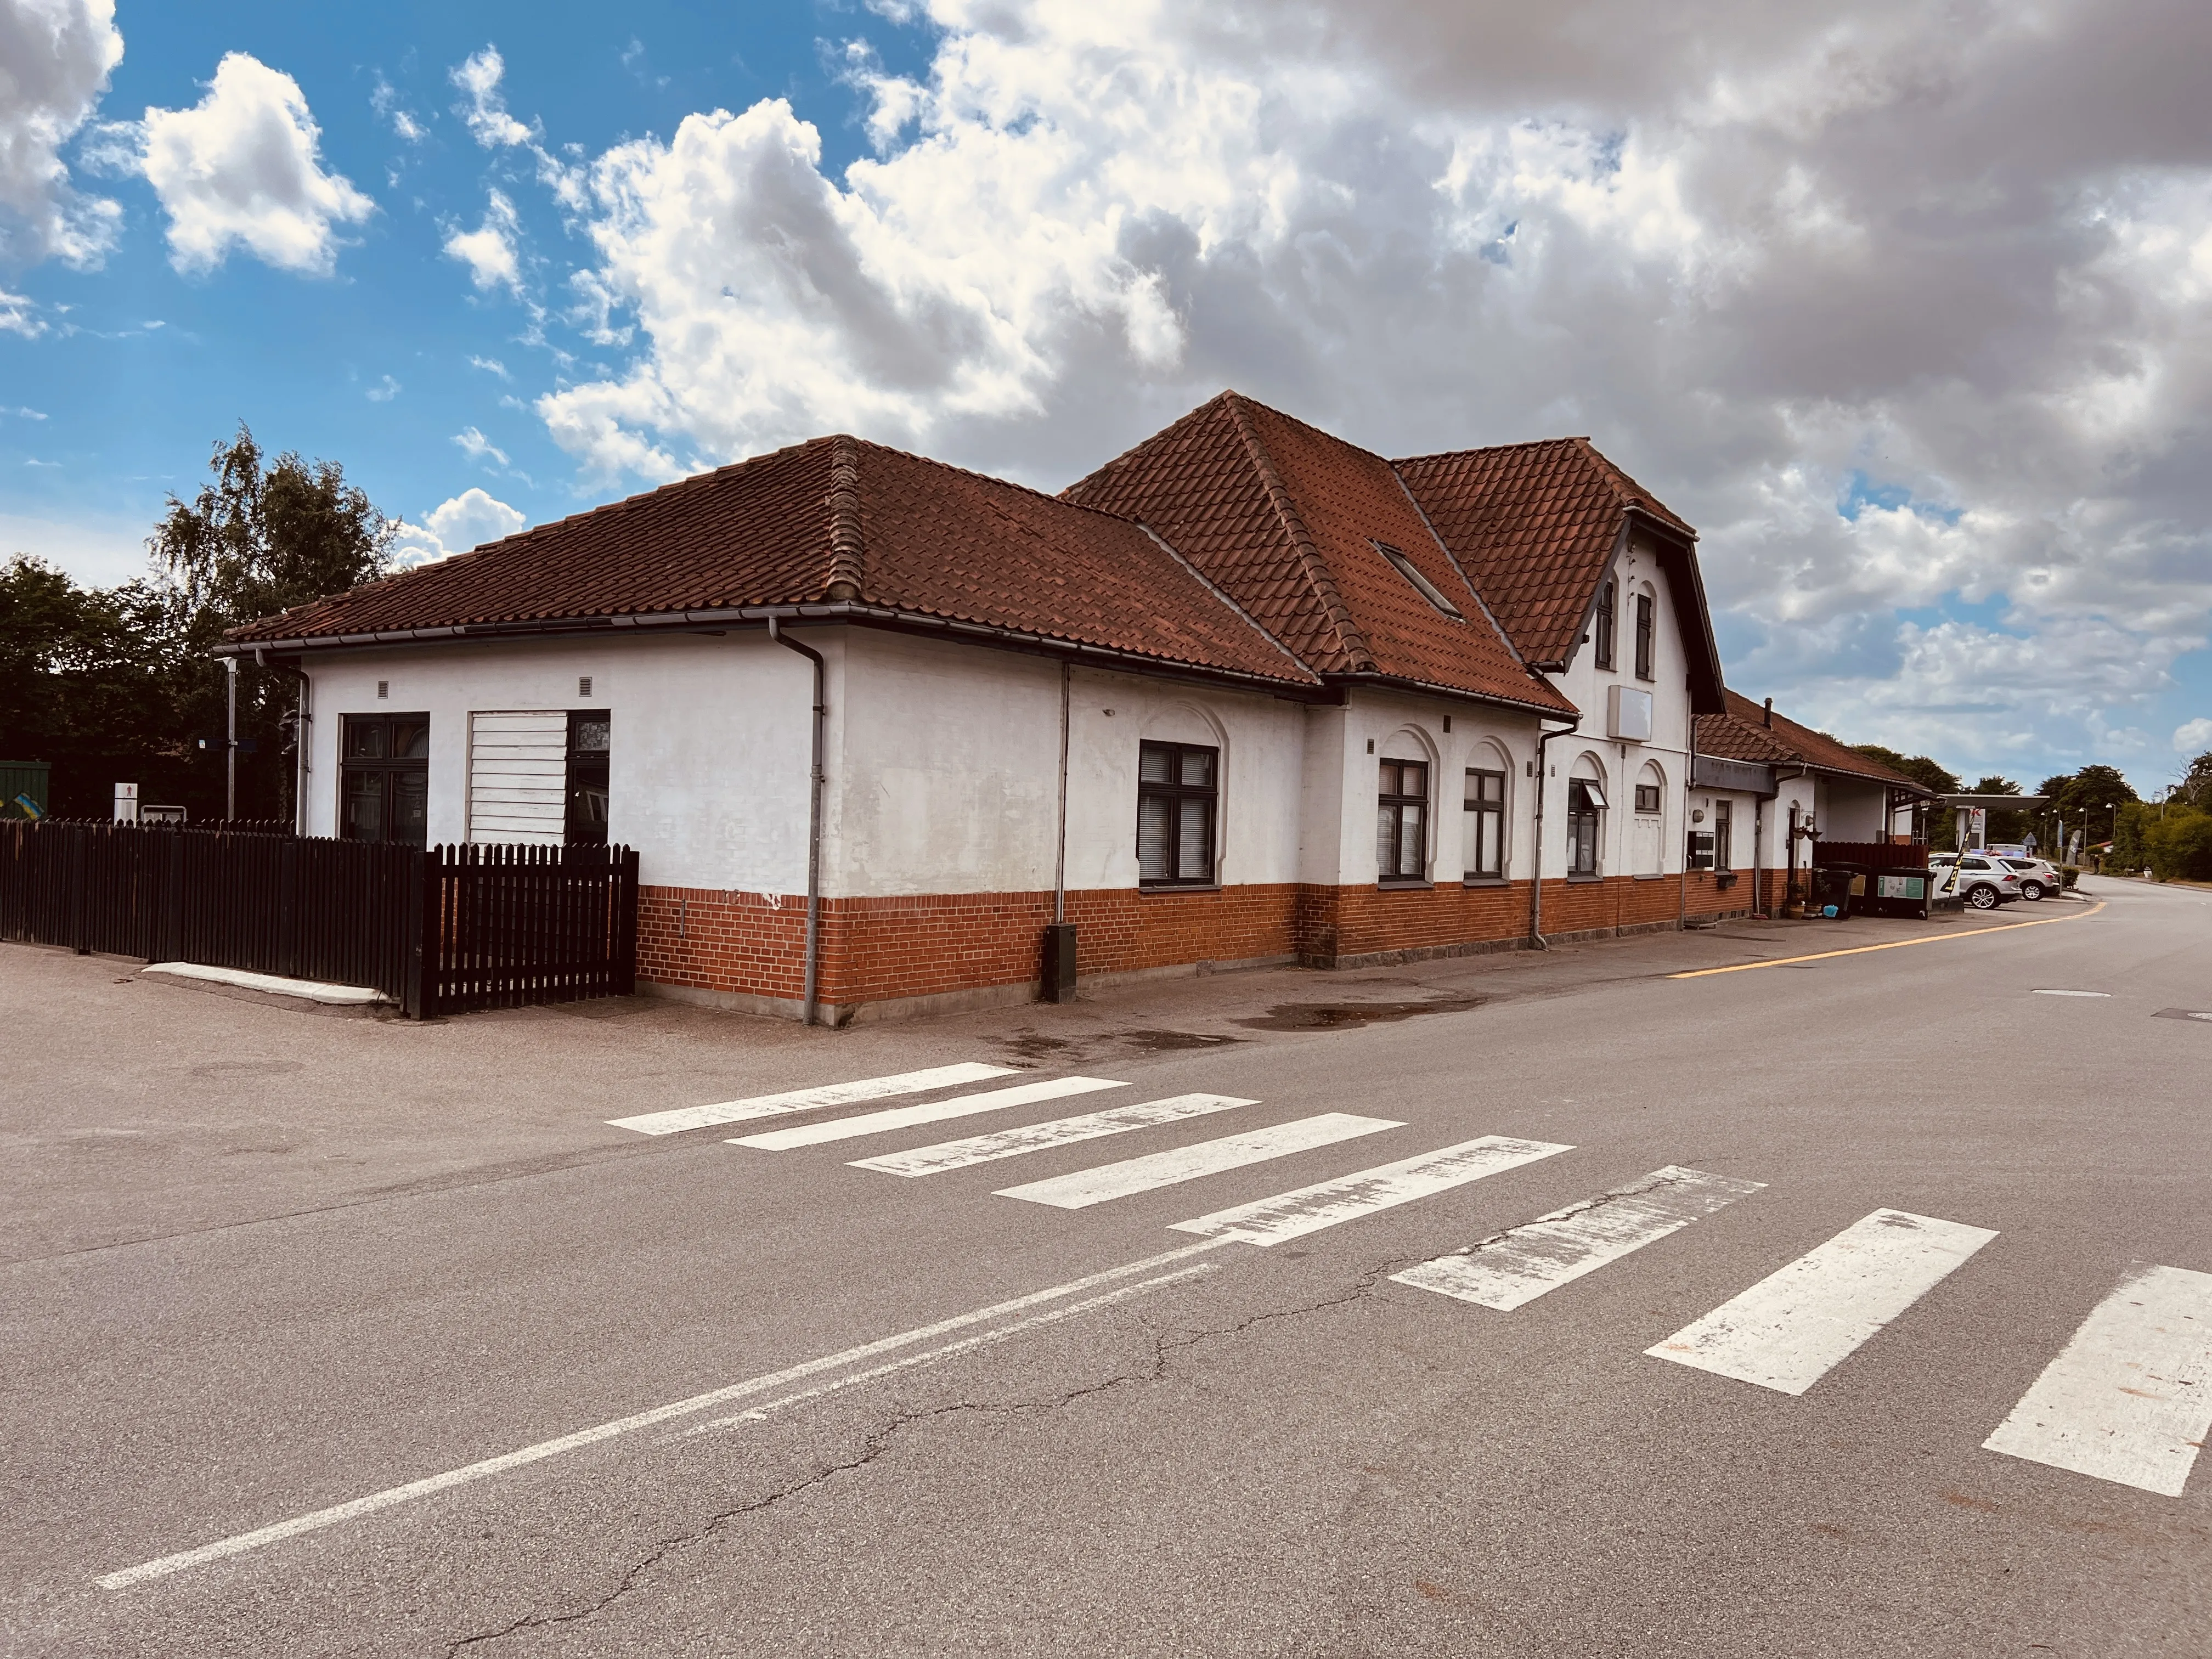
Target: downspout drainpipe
813 821
1689 780
1757 831
1536 887
230 739
302 718
1059 856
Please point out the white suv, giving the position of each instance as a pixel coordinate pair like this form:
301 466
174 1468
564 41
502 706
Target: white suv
1982 881
2037 877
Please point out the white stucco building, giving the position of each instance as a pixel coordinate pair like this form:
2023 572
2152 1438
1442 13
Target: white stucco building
1246 694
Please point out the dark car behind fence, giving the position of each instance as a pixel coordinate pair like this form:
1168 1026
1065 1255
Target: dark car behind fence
440 930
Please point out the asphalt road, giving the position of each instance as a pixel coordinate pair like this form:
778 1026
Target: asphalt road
261 1264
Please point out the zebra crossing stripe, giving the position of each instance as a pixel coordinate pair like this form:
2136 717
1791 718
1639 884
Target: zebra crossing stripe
1794 1326
1035 1137
2130 1399
934 1111
802 1100
1325 1203
1138 1175
1510 1269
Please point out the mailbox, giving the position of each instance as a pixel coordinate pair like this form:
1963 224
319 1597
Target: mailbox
1701 850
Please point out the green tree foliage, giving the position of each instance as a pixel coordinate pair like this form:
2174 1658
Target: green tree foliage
90 680
258 540
2177 845
120 684
2196 785
259 537
1920 769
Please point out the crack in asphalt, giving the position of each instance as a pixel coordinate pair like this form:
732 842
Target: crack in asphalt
879 1439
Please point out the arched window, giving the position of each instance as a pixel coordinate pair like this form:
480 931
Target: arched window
1586 810
1647 836
1482 819
1401 809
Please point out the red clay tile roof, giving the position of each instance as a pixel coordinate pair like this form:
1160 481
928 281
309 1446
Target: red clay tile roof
1534 525
1743 733
903 533
1285 519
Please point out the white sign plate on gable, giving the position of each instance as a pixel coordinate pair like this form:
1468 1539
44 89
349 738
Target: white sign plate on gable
1628 714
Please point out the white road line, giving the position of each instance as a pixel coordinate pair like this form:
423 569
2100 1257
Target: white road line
1293 1214
2130 1399
1035 1137
1139 1175
1512 1268
966 1344
2071 994
394 1496
936 1111
1791 1328
802 1100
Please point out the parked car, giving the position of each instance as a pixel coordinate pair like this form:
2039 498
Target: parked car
2038 878
1983 882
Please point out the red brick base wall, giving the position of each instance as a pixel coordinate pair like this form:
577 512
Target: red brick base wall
883 949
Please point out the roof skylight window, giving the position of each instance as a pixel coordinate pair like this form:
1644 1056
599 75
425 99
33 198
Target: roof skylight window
1412 573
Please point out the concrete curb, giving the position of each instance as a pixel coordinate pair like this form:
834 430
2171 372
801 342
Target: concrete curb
336 996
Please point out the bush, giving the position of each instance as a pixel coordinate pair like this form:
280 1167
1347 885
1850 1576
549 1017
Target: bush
2180 847
2068 874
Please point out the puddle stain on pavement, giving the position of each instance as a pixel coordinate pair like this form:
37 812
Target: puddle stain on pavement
1348 1016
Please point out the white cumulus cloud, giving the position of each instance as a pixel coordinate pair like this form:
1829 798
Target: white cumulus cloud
243 169
55 59
484 106
19 315
474 445
1909 310
468 519
2193 737
489 251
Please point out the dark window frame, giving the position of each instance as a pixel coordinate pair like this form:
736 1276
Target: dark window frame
1391 807
1585 825
584 819
1475 799
1174 792
1649 791
363 764
1608 621
1724 834
1647 629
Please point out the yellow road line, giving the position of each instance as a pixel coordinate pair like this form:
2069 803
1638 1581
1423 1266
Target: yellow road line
1894 945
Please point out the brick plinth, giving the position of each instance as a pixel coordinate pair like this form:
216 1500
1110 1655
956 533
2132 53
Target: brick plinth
751 946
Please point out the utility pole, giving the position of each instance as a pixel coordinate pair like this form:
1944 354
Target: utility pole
230 743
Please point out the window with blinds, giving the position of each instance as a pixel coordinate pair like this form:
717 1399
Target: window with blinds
1178 790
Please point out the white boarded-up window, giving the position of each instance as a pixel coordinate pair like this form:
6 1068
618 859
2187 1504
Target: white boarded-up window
519 776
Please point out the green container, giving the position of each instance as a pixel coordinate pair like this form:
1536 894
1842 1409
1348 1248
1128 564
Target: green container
23 779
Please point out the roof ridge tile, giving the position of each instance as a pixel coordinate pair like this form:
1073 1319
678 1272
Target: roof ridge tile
1350 639
848 552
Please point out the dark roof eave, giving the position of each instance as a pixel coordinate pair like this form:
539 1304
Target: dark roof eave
884 617
1457 694
1707 695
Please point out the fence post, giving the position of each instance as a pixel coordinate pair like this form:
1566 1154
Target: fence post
288 909
626 924
420 882
171 942
80 855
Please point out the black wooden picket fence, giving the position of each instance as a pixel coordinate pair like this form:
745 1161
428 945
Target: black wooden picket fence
439 931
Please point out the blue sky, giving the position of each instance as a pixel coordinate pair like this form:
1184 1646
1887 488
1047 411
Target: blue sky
142 366
1836 321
